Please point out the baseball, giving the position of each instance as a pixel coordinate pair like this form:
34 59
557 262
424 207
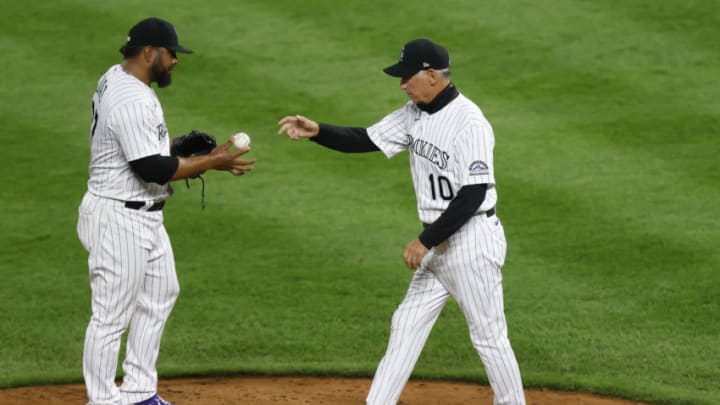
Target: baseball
241 140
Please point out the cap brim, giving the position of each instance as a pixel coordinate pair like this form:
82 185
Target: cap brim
180 49
398 70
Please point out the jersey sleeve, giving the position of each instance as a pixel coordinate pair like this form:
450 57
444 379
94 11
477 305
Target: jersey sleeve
139 130
390 133
474 154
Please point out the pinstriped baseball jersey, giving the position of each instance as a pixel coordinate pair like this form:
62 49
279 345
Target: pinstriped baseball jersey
128 124
449 149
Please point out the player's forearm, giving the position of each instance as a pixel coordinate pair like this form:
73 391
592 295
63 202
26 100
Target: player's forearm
460 210
344 139
193 166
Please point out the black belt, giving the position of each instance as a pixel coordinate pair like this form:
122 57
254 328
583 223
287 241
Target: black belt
488 213
140 205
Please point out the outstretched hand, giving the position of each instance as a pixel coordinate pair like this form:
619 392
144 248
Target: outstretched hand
229 160
297 126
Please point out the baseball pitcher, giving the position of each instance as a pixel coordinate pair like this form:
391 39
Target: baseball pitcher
131 264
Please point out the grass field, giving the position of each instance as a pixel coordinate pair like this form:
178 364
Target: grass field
606 115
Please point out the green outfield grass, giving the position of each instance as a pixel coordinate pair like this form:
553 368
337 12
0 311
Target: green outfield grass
606 116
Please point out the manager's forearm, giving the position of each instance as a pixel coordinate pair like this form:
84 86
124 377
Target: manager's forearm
344 139
460 210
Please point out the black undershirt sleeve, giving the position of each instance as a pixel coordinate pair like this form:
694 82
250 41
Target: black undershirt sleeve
156 168
461 208
344 139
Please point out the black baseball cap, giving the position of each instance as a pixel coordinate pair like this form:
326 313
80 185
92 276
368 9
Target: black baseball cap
156 32
417 55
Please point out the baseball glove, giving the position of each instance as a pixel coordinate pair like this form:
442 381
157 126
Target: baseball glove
195 143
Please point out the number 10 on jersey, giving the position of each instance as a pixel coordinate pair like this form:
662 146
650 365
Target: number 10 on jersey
441 187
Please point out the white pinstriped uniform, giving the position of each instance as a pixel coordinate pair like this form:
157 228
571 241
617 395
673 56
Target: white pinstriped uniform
449 149
131 263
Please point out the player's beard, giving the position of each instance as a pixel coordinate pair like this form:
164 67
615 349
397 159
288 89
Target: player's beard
160 75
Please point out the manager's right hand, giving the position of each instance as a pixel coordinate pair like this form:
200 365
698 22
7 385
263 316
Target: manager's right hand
297 126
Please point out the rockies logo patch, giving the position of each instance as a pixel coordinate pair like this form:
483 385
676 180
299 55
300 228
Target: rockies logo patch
478 168
162 131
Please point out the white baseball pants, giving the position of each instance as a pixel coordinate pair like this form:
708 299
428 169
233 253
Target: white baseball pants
467 267
133 283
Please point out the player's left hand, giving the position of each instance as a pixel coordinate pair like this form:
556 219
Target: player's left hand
414 254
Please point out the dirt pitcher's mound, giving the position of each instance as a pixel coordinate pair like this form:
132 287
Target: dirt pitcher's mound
300 390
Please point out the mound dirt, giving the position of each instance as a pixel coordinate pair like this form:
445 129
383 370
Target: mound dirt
301 390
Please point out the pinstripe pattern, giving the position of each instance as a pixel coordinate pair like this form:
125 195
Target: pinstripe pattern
131 265
449 149
129 125
133 283
460 130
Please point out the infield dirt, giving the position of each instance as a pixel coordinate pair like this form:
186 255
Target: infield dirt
301 390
